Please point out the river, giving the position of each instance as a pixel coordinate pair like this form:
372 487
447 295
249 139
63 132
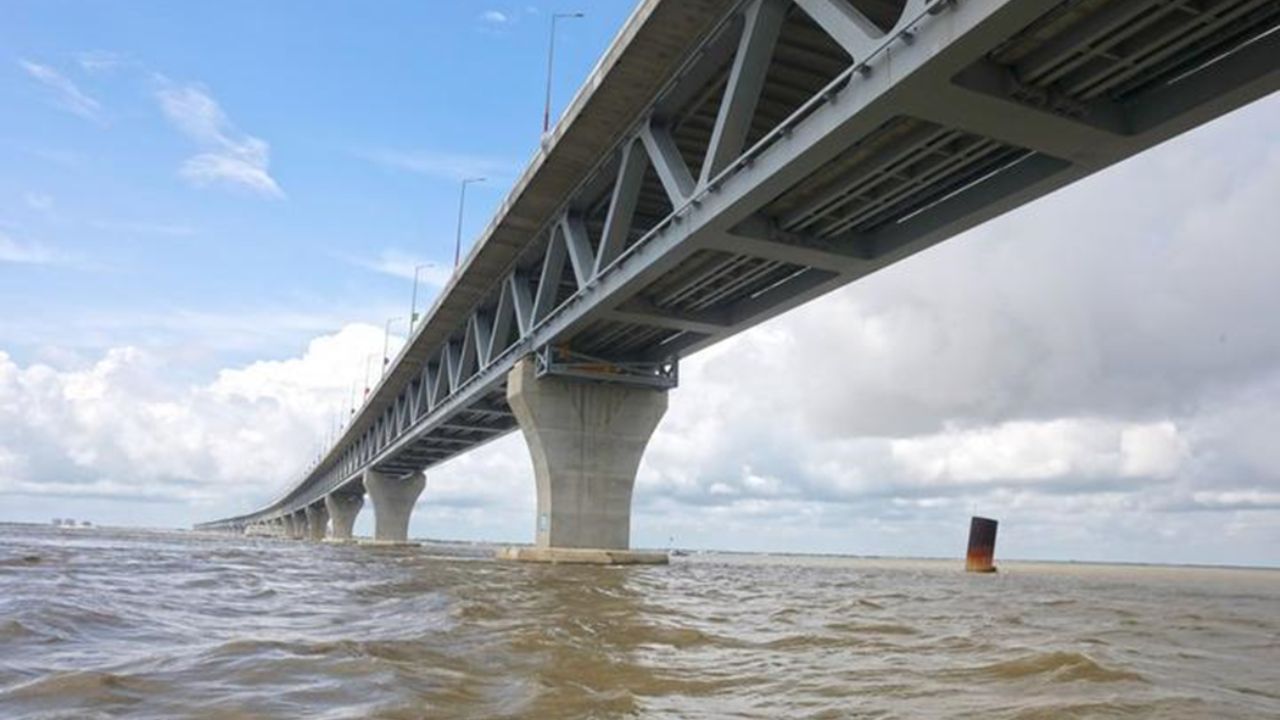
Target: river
149 624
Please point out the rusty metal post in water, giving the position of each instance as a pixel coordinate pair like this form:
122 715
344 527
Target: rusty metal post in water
982 545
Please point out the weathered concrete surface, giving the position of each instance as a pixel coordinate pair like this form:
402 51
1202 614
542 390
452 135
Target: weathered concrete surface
263 529
582 556
586 439
260 529
343 509
317 522
374 542
295 525
393 500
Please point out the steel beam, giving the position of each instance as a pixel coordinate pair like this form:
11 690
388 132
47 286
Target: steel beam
988 140
761 25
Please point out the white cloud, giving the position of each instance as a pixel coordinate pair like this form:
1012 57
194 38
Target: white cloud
65 93
229 156
1077 448
28 253
196 340
496 17
143 227
40 202
431 276
402 265
1097 370
57 156
118 429
101 61
443 165
247 169
1094 359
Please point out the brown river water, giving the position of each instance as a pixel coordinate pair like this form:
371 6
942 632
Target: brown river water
136 624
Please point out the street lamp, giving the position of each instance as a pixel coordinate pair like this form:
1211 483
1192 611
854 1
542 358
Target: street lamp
462 201
413 305
386 337
551 56
367 360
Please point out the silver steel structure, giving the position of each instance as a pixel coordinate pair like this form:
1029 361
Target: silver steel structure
729 160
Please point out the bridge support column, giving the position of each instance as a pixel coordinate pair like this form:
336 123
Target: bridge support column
393 500
317 522
297 524
343 509
586 438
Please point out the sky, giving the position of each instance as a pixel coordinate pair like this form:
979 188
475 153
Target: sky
210 213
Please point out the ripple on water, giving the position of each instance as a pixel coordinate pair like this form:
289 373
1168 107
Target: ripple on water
865 628
1056 666
81 688
14 630
169 625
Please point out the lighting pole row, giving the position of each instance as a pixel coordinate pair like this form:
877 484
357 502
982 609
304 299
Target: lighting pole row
457 240
551 59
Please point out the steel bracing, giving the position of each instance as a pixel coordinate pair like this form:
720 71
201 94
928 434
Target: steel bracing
729 160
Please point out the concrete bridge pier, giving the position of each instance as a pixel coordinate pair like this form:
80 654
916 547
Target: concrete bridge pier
393 499
343 509
586 438
317 522
297 524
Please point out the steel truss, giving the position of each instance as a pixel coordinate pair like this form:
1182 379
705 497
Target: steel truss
803 144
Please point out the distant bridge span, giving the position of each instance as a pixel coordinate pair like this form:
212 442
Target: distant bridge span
728 160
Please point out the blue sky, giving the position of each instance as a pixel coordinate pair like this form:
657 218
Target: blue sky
367 119
209 211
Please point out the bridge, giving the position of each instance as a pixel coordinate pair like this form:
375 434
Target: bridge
728 160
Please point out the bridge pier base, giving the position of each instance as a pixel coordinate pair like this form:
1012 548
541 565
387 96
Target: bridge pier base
343 509
586 438
317 522
291 527
393 499
297 523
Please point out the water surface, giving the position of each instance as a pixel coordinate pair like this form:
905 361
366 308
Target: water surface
115 623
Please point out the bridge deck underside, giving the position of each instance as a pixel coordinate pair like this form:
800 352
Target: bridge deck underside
796 151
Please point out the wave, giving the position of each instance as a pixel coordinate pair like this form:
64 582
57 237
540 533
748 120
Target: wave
1057 666
85 687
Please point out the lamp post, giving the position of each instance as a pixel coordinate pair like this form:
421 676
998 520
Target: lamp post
413 305
367 359
462 202
551 57
386 338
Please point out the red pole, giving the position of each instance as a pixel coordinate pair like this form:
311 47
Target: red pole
982 545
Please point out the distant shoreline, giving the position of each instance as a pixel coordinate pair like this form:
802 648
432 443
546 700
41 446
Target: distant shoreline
1023 563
